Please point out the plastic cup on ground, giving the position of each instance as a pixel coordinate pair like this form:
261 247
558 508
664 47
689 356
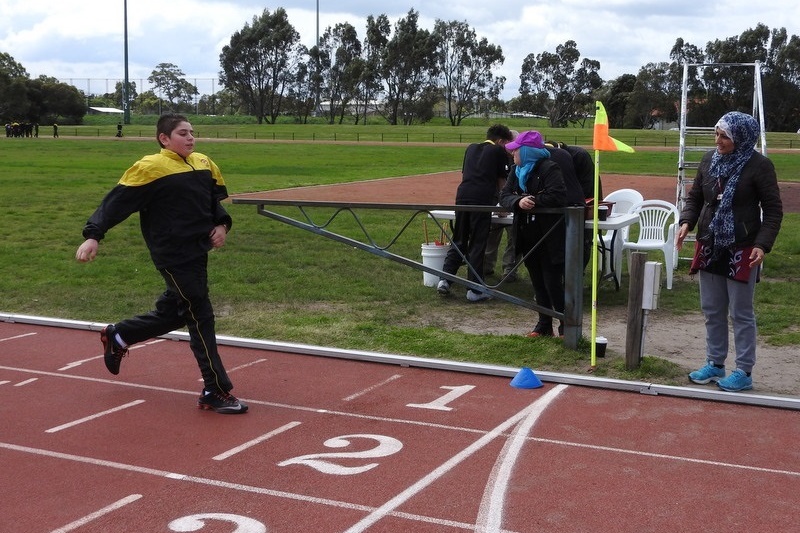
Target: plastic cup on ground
600 344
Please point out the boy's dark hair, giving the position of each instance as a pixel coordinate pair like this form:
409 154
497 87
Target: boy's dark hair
499 132
167 123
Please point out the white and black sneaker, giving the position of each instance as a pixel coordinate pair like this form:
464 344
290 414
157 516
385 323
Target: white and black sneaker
475 296
443 287
112 351
221 402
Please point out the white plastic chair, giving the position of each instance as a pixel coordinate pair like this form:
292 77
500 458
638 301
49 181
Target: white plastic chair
624 200
658 222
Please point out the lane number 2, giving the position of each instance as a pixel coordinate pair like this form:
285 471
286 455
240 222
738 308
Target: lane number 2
327 464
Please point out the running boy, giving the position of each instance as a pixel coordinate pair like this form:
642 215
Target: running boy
177 193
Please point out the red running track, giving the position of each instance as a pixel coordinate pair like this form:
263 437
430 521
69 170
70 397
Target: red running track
334 445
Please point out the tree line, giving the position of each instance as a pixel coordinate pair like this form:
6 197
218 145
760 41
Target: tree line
41 100
406 74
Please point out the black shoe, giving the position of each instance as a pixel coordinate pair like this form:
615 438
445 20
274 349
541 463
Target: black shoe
510 277
112 352
221 402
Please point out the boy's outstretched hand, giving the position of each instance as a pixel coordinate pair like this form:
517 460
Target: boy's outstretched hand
87 251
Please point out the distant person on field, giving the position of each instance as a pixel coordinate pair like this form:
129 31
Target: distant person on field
55 130
177 193
482 174
119 129
735 203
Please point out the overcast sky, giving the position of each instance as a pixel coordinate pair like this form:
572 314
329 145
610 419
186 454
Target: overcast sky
79 40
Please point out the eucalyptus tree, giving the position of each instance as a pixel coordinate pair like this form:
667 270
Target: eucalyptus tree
117 95
168 80
340 65
727 81
730 88
562 81
652 97
682 53
14 80
147 103
10 67
304 89
466 67
46 98
260 62
782 83
14 101
615 95
222 102
409 72
373 49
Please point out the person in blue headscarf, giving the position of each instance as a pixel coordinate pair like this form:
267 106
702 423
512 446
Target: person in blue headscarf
536 181
735 204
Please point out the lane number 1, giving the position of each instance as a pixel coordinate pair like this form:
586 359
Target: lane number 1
440 404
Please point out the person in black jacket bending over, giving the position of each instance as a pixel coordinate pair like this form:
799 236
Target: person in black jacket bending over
484 168
735 203
536 181
177 193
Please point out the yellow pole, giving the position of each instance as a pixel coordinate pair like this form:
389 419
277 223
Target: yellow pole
594 254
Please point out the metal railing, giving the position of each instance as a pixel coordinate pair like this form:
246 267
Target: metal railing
572 217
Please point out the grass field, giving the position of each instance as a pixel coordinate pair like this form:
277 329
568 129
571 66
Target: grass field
437 130
275 282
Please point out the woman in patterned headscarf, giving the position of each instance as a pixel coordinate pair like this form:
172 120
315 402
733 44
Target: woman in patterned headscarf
736 206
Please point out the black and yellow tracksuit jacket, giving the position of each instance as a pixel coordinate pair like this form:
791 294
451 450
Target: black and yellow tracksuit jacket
178 201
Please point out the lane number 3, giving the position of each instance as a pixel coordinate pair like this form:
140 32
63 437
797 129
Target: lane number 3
196 522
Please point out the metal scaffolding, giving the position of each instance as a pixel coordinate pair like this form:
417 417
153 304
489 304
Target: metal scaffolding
704 135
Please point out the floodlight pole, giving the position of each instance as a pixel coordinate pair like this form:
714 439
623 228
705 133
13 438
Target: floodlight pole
126 105
317 87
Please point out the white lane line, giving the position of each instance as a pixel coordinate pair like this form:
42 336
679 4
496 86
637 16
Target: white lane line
365 508
235 368
17 337
250 401
262 438
97 514
73 364
183 477
490 513
92 417
691 460
228 485
372 388
26 382
390 506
